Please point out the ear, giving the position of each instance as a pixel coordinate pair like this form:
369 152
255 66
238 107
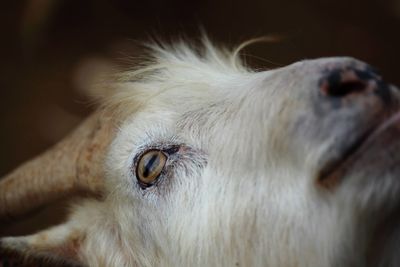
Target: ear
59 245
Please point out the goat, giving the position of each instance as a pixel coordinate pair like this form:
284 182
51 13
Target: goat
194 159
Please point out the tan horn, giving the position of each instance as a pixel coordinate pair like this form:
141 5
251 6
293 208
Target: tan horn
74 165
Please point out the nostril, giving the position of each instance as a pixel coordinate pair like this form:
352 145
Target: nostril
341 83
346 88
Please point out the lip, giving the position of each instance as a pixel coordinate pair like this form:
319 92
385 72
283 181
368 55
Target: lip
330 175
381 239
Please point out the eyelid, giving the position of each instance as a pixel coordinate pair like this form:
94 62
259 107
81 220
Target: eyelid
172 150
167 149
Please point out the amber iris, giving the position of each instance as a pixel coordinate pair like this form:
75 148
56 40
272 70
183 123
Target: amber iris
150 166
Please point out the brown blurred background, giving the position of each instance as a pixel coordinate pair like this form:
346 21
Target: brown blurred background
45 43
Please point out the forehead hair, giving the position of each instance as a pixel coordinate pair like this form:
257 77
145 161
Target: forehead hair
165 71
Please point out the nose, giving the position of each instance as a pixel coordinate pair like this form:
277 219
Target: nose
349 81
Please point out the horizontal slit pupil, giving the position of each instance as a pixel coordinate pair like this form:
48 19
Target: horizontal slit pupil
149 164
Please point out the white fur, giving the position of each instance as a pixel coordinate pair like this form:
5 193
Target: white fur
245 193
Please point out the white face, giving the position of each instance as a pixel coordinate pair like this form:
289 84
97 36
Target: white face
254 172
216 165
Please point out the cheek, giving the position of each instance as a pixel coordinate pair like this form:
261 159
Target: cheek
182 183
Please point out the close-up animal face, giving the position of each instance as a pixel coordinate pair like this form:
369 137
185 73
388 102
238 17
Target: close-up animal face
196 160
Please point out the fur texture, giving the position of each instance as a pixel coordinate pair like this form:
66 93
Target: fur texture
242 189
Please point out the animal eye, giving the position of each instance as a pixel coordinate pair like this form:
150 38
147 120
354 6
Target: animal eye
150 166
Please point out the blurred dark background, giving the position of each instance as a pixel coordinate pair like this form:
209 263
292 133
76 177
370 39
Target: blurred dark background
45 45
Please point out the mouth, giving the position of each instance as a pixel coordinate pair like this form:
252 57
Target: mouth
374 138
384 238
